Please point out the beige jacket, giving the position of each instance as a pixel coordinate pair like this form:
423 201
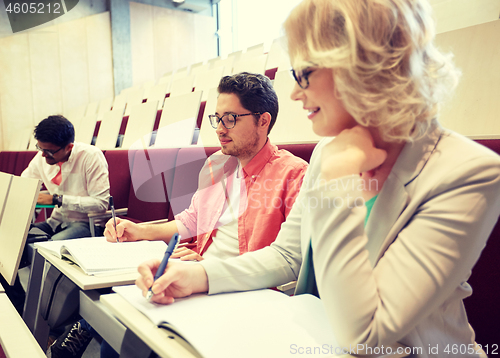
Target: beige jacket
403 277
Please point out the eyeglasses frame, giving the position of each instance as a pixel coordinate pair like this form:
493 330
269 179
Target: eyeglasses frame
220 119
47 152
304 74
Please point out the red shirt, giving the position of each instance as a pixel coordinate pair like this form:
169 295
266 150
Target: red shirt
272 182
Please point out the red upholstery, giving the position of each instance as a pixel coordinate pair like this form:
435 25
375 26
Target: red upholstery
271 73
8 161
96 129
152 177
303 151
482 307
2 354
123 126
23 159
189 162
201 113
119 176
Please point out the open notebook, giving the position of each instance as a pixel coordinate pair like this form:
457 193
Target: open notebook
97 256
263 323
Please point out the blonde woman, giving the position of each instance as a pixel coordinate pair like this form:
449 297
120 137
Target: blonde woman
395 210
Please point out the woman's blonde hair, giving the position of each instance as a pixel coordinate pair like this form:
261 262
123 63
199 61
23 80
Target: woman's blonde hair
387 71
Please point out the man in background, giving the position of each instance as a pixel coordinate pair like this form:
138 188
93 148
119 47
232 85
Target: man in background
76 178
75 175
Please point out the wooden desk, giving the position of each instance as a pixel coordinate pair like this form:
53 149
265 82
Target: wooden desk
166 344
160 340
91 308
103 322
15 337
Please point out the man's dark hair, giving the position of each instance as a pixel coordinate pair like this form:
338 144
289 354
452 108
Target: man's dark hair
254 91
56 130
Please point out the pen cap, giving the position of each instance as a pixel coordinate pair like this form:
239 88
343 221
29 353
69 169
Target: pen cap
111 203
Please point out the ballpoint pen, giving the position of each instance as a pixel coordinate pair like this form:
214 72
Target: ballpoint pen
163 265
112 206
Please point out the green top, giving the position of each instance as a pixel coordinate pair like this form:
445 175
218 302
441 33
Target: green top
369 206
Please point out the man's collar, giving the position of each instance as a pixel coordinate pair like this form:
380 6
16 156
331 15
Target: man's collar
71 156
261 158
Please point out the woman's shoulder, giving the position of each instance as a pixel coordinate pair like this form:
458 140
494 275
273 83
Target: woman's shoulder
458 148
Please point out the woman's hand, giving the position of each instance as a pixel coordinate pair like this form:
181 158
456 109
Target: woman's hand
351 152
179 280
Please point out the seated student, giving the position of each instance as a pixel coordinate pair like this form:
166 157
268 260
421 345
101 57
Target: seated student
369 74
246 190
75 175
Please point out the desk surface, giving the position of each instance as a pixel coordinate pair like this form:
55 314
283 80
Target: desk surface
1 289
84 281
15 337
159 340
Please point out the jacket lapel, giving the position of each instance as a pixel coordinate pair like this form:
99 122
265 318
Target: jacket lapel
382 226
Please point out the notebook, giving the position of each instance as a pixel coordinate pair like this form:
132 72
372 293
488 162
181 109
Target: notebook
262 323
97 256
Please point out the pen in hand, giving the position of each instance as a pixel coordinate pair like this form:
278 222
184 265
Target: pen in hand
112 207
163 265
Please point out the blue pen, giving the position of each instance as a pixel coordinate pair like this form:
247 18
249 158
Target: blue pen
163 265
112 206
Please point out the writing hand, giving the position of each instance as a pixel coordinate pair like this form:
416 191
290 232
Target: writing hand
125 231
179 280
186 254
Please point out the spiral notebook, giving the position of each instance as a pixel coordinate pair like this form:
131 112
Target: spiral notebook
97 256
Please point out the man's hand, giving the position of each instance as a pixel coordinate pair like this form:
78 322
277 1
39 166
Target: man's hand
44 199
186 254
125 231
179 280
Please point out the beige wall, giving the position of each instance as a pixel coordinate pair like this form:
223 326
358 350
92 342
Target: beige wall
52 70
164 40
474 109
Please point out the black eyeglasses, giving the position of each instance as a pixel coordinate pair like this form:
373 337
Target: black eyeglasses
228 119
302 77
47 152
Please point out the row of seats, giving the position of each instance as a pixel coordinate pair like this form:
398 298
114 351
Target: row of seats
182 121
158 183
112 113
154 183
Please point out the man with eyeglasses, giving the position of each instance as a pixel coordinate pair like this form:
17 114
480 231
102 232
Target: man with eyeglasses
75 176
245 191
